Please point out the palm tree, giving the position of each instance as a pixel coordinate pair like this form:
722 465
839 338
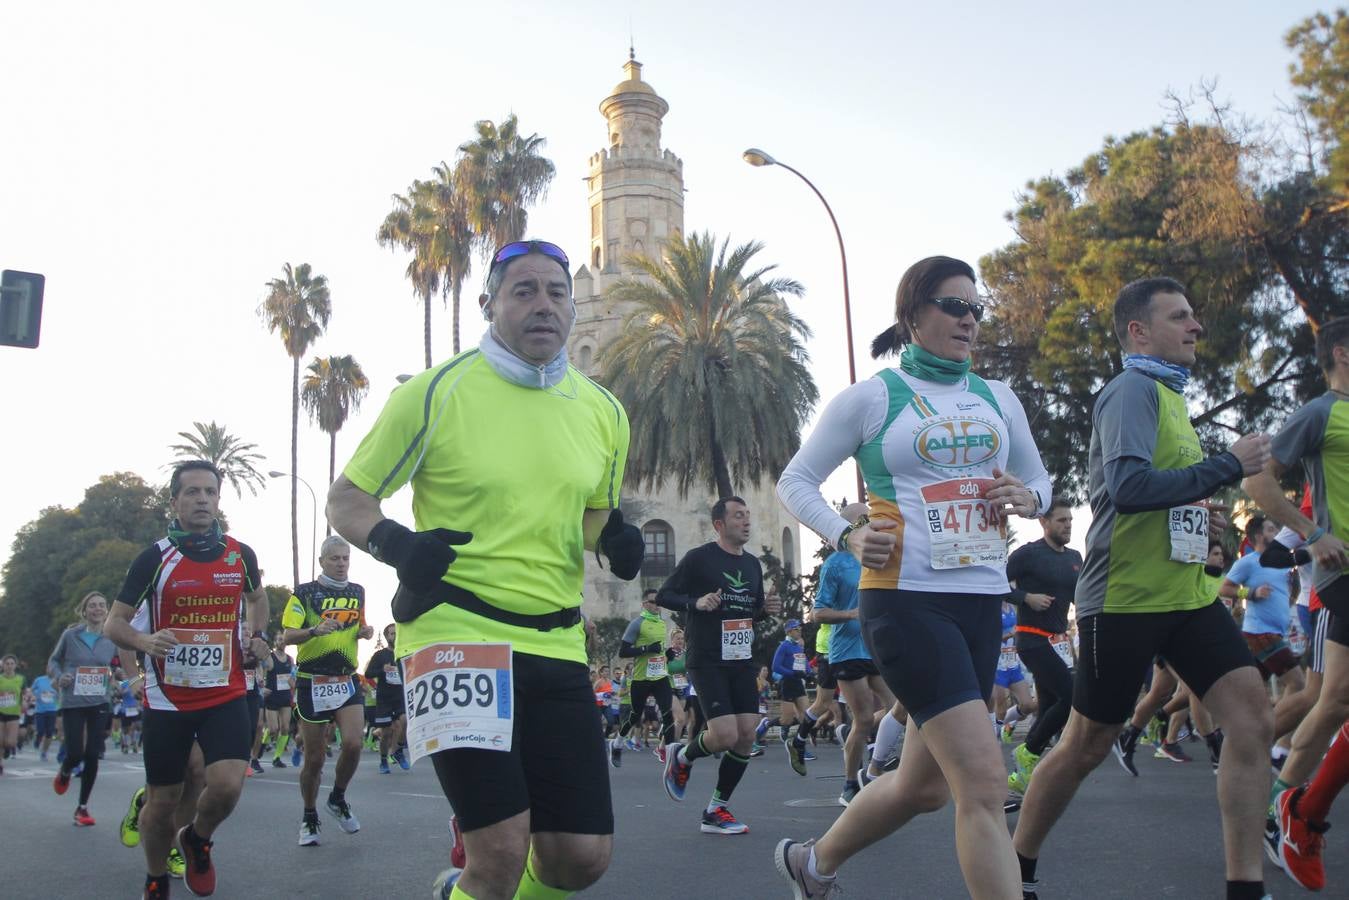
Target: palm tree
226 452
455 237
503 175
297 306
410 226
711 366
331 392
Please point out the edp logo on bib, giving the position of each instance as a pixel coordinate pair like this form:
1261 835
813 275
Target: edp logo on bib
957 443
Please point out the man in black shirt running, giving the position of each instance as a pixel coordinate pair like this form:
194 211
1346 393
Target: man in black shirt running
1044 577
720 588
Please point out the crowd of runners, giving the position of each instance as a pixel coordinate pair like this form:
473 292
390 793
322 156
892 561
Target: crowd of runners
928 641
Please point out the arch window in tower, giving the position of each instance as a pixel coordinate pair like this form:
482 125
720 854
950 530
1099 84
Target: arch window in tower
595 259
584 358
659 538
788 551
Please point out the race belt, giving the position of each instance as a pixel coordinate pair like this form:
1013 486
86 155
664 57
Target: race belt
408 606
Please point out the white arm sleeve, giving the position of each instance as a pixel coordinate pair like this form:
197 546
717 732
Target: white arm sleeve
850 420
1023 458
1289 538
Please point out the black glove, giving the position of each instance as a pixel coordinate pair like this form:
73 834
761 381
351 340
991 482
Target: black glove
421 558
622 545
648 649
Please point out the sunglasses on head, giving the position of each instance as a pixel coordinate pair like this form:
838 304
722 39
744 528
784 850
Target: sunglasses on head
523 248
958 307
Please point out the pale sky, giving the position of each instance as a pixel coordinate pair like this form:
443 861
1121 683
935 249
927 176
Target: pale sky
161 161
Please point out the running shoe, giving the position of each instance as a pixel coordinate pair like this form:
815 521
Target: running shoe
791 859
796 755
82 817
1300 843
1017 783
756 750
1030 890
384 766
864 777
156 888
844 731
175 864
1173 752
1124 752
341 811
893 763
443 886
615 753
78 770
1011 805
849 792
1009 733
808 756
1272 840
1153 733
676 774
131 823
400 756
254 766
720 821
277 763
761 729
199 875
309 832
458 856
1026 761
61 782
659 753
295 756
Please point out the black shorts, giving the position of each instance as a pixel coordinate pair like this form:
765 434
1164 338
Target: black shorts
304 701
793 686
222 731
8 717
390 707
650 713
854 669
726 690
1335 599
1200 646
128 721
824 673
277 700
557 768
934 650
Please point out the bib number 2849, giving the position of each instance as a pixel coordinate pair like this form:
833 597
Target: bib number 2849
458 695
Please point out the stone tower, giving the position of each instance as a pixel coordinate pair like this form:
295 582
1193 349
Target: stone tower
636 204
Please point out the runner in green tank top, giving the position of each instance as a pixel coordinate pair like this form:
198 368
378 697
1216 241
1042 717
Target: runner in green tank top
1142 590
644 643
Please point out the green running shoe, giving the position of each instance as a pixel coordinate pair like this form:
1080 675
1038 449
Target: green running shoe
131 826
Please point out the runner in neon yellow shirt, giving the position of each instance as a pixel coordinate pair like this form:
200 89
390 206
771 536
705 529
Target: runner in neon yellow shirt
515 460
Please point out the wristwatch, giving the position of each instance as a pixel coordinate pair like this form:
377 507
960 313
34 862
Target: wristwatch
842 545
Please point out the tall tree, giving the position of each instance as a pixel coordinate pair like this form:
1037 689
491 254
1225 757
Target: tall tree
1321 74
297 307
410 226
454 236
503 174
331 392
227 452
711 365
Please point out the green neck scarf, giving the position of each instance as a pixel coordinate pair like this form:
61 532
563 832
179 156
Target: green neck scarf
921 364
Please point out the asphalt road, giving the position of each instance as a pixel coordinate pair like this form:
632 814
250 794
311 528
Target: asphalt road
1154 836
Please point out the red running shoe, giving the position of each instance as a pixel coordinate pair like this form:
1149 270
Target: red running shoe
199 876
1300 843
458 856
61 782
82 817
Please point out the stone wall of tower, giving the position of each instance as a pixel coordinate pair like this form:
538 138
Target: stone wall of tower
636 204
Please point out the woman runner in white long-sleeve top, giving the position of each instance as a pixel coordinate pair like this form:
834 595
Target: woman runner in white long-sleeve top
946 457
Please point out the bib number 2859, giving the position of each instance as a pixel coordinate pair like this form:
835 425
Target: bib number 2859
458 695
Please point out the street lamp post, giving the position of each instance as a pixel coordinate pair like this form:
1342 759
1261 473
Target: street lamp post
313 518
756 157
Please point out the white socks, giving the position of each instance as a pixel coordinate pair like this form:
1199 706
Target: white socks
888 736
814 872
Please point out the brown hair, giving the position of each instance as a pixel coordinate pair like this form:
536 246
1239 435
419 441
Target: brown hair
84 602
917 286
1332 334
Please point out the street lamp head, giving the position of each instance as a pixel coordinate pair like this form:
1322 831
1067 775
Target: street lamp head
756 157
276 474
402 379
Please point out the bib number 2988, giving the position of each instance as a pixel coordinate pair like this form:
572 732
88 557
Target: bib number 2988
458 696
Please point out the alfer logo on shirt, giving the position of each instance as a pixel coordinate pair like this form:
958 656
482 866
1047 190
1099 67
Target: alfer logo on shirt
957 443
228 578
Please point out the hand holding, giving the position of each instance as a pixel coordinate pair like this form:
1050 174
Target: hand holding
873 543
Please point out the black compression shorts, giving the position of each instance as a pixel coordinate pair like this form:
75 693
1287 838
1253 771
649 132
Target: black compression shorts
726 690
934 650
304 700
793 686
557 767
824 673
1200 646
167 736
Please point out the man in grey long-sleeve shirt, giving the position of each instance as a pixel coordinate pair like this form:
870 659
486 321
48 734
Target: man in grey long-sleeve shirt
1142 589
